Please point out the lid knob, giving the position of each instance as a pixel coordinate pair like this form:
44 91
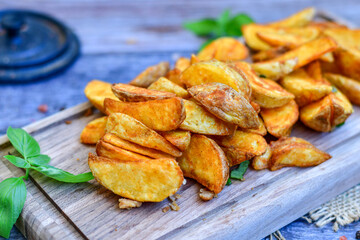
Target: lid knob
12 24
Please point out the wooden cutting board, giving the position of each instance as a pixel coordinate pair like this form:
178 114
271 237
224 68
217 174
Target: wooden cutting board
263 203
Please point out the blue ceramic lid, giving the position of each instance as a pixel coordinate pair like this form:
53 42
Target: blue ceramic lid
33 45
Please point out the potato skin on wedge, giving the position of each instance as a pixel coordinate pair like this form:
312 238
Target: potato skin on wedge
94 131
159 115
128 93
198 120
205 162
96 91
225 103
163 84
279 121
350 87
288 152
179 138
262 161
150 75
143 181
130 129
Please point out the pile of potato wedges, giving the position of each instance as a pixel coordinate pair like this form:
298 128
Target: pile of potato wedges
228 104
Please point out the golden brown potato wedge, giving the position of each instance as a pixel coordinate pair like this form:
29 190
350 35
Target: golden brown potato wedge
242 146
288 152
341 107
128 93
205 162
299 19
179 138
224 49
251 38
348 86
133 147
144 181
94 131
174 76
305 88
348 61
225 103
271 53
260 130
262 161
96 91
279 121
255 106
326 25
198 120
275 69
159 115
163 84
150 75
107 150
347 38
328 57
215 71
194 59
314 71
182 63
330 67
130 129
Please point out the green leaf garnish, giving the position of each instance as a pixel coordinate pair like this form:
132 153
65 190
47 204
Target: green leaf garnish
240 171
12 200
39 160
25 144
339 125
202 27
17 161
228 183
233 27
63 176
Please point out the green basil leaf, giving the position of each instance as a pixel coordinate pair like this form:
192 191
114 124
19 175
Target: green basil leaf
207 42
63 176
228 183
233 27
221 23
340 124
25 144
12 199
201 27
40 160
240 171
17 161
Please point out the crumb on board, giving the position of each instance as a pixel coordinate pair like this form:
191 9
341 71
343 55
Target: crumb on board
174 206
88 112
78 159
43 108
68 122
206 194
165 209
125 203
131 41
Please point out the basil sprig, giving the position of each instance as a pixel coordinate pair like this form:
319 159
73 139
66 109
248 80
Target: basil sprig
239 172
13 190
224 25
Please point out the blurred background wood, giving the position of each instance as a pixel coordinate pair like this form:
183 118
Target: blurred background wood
115 34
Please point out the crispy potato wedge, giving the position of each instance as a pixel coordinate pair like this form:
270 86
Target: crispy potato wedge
174 76
288 152
330 67
348 61
341 107
150 75
299 19
96 91
159 115
128 93
347 38
279 121
242 146
262 161
271 53
104 149
205 162
224 49
182 63
328 57
260 130
144 181
275 69
305 88
133 147
194 59
326 24
251 38
163 84
314 71
255 106
215 71
225 103
94 131
198 120
179 138
348 86
130 129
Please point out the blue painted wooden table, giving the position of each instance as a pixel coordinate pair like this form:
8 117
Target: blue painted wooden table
122 38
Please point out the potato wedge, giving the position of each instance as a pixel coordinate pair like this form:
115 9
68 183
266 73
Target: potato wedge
342 108
144 181
251 38
225 103
224 49
242 146
347 38
96 91
275 69
94 131
159 115
305 89
299 19
150 75
262 161
215 71
314 71
178 138
290 152
255 106
198 120
328 57
271 53
133 147
348 61
279 121
107 150
174 76
130 129
260 130
182 63
348 86
194 59
128 93
205 162
163 84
